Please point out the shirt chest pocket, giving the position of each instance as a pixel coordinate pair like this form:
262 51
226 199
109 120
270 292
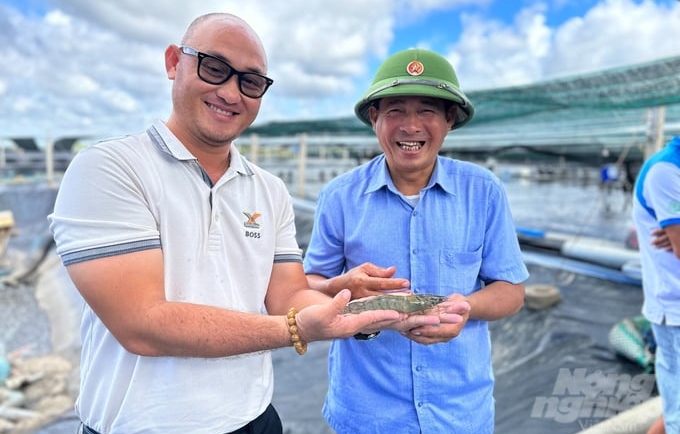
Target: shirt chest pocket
459 271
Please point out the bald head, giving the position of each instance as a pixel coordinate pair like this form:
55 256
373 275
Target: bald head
224 20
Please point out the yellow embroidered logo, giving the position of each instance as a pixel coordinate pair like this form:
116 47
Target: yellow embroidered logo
251 223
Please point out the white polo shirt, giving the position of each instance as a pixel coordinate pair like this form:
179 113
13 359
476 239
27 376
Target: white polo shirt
219 243
657 205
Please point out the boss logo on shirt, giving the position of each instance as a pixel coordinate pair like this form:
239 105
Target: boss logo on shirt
251 223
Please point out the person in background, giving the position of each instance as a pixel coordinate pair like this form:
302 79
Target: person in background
656 216
186 256
411 220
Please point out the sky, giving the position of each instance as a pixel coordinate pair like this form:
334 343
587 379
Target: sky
80 67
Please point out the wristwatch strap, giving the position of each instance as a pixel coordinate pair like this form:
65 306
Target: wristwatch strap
366 337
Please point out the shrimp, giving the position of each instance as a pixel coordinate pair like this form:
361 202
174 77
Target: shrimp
400 303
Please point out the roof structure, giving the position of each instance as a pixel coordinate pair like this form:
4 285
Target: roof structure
614 109
611 111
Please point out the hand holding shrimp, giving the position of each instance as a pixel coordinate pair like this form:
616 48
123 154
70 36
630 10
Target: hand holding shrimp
453 315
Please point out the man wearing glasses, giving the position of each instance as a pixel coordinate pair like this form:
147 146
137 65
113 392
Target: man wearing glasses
185 254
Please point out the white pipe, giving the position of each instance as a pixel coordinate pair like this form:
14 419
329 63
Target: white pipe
636 420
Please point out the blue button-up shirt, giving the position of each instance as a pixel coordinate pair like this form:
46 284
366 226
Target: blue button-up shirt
459 235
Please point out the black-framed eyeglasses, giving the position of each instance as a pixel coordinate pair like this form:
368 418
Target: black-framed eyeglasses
216 71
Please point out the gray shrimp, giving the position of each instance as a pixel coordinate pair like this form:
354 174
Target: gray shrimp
400 303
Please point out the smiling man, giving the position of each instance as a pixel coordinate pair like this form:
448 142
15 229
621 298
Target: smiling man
412 219
186 256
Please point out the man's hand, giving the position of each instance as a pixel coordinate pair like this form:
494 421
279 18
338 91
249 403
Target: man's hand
368 279
326 321
453 315
660 240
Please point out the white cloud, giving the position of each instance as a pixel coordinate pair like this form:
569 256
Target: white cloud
98 66
492 54
77 85
120 100
408 10
322 46
315 49
57 18
22 105
615 33
153 21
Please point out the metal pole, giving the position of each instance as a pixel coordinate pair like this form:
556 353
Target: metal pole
254 148
49 161
655 130
302 166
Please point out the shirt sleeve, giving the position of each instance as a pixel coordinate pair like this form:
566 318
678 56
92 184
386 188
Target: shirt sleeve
100 206
662 186
502 256
325 253
287 249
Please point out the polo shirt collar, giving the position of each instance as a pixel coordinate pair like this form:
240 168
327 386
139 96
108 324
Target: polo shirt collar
238 162
167 142
164 138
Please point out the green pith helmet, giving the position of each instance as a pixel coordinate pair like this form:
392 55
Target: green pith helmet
416 72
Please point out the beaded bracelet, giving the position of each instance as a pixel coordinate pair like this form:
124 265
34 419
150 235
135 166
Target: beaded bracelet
300 346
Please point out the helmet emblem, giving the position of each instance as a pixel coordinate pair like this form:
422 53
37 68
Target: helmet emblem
415 68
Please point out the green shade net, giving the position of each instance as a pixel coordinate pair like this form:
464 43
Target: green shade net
614 109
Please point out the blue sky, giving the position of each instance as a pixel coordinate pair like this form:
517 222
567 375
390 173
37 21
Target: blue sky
85 67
